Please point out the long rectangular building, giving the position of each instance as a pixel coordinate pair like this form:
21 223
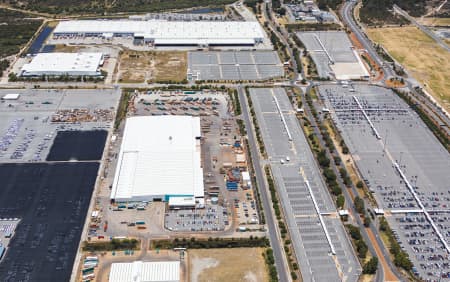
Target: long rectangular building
159 158
168 33
58 64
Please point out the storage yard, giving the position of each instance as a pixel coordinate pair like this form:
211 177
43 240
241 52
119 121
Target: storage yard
30 123
226 200
403 164
333 55
322 248
229 65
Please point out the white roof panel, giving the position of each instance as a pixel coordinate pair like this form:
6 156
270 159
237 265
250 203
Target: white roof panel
193 30
138 271
159 156
60 63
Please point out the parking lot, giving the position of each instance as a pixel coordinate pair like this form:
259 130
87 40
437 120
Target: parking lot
239 65
299 185
397 140
212 218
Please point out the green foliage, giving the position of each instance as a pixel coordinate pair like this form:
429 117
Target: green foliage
360 184
340 201
332 4
104 7
4 64
194 243
113 245
270 261
16 29
367 221
354 232
359 204
378 12
371 266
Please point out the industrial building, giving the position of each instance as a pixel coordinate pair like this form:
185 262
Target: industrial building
159 158
167 33
59 64
139 271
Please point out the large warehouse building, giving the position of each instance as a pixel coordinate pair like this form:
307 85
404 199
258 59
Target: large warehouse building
159 158
167 33
139 271
58 64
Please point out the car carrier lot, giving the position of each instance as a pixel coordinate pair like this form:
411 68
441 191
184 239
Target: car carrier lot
29 125
313 250
398 137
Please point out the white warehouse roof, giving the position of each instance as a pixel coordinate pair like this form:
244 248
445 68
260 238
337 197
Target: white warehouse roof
168 32
63 63
138 271
159 157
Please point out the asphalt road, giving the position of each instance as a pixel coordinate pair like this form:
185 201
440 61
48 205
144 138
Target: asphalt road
280 263
347 16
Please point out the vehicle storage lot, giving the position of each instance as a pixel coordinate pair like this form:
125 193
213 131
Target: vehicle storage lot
335 46
29 125
46 240
229 65
405 140
308 235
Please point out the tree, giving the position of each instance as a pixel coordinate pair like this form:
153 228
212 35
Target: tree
371 266
360 184
359 204
340 201
361 248
366 221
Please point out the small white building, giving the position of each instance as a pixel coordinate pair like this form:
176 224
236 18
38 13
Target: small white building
59 64
139 271
11 96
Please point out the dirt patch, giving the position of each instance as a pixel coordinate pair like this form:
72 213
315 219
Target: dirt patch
420 55
216 265
164 66
434 21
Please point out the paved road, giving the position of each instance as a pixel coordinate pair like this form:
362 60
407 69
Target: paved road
280 263
428 31
347 16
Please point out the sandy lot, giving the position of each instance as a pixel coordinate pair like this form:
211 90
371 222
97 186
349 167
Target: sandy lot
422 57
435 21
152 66
217 265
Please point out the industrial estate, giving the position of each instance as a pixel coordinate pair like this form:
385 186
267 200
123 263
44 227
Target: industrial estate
243 141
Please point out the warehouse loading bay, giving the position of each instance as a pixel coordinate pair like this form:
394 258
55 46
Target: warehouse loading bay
403 165
230 205
321 246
